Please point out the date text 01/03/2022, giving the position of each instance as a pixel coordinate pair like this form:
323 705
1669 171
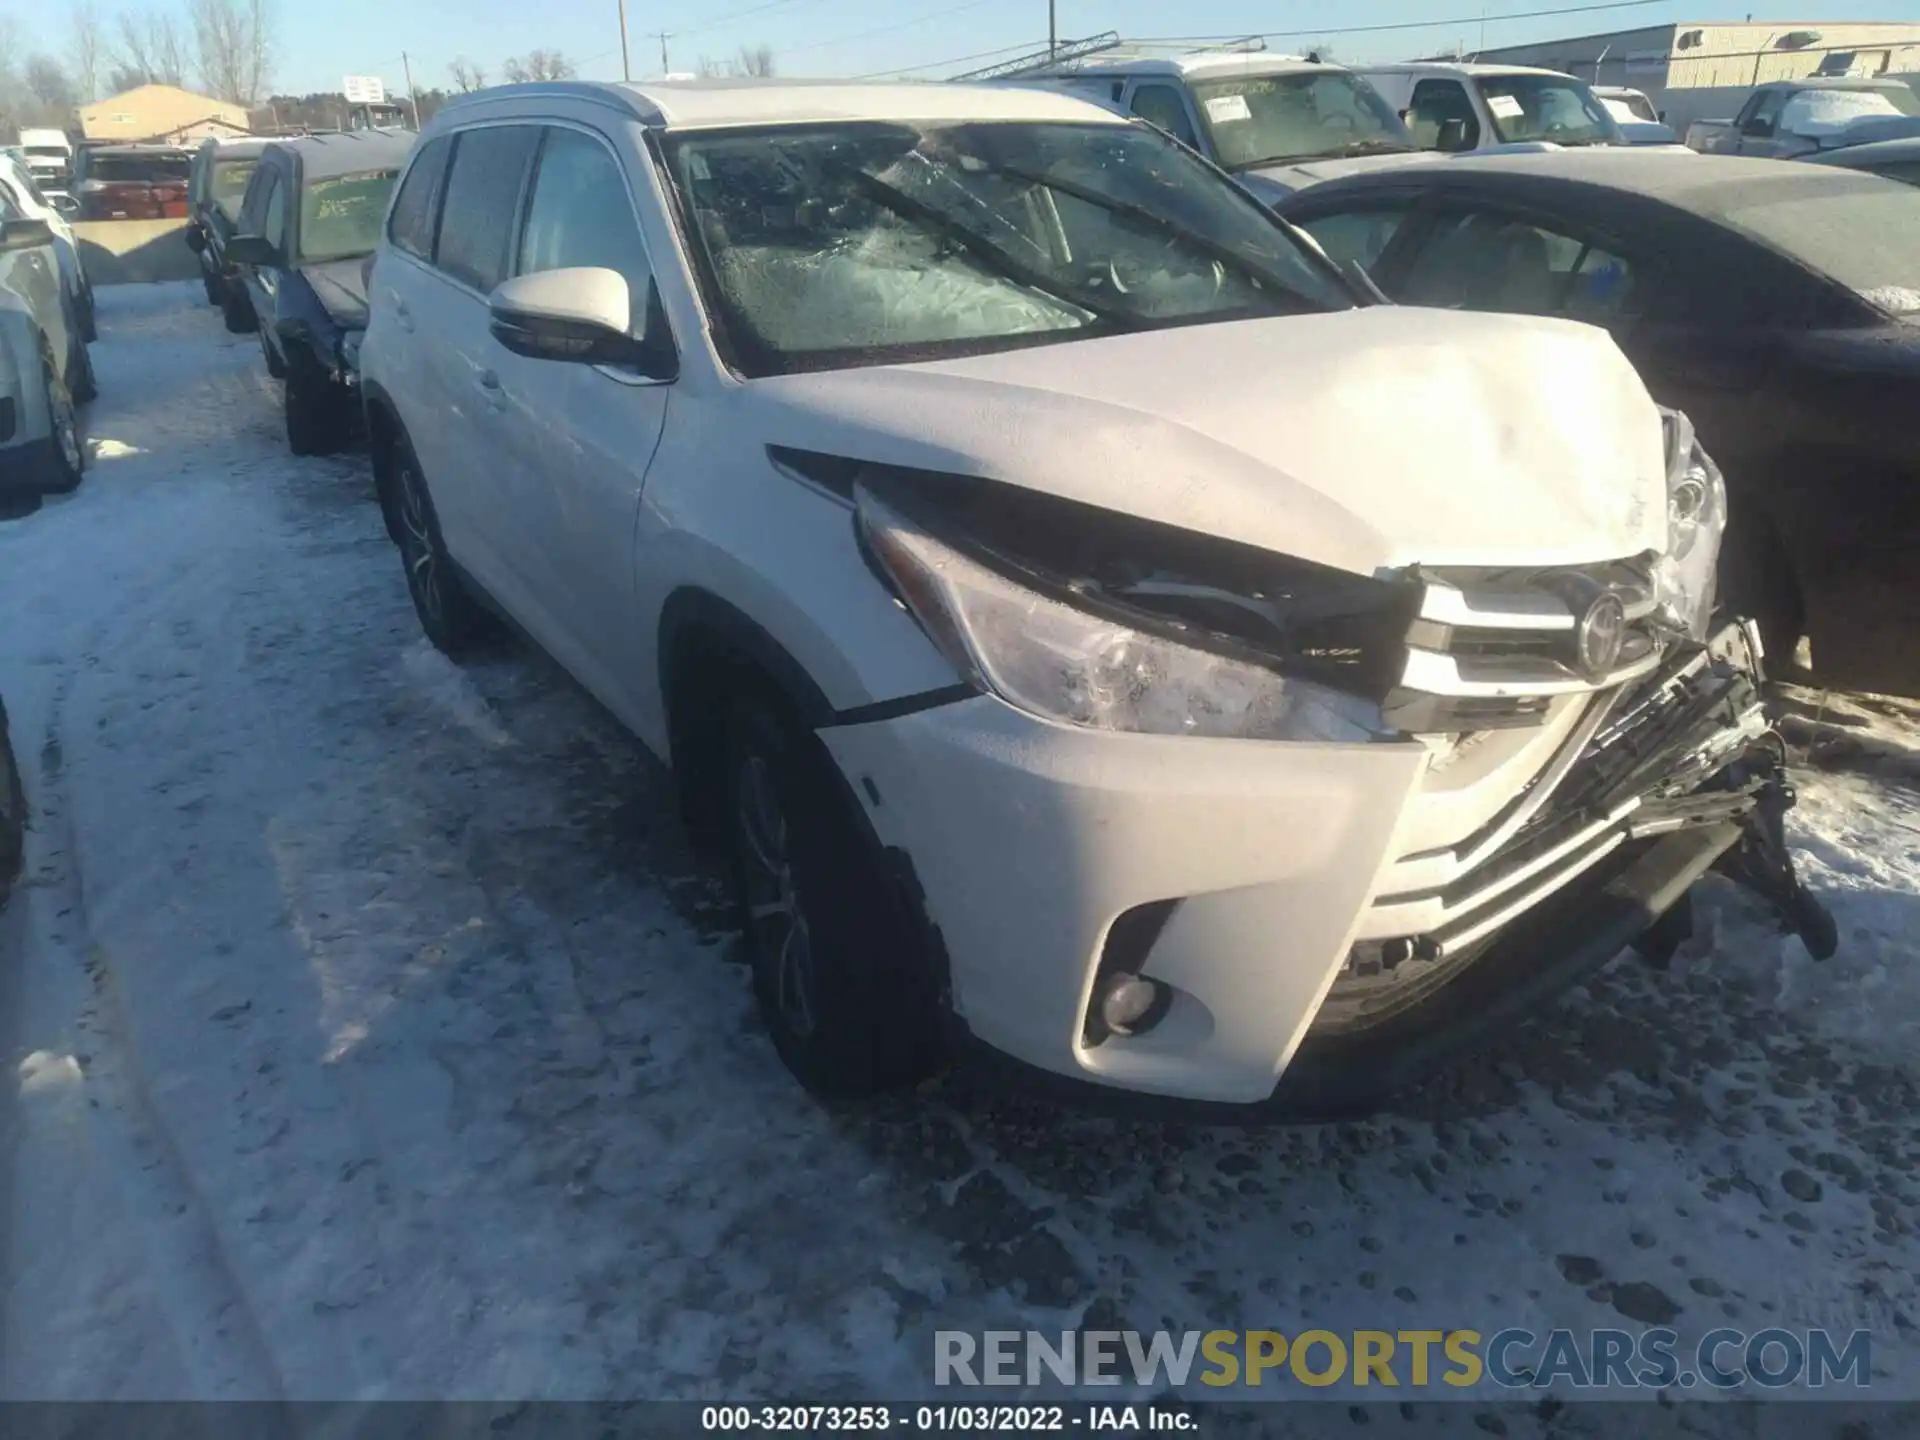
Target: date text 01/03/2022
977 1419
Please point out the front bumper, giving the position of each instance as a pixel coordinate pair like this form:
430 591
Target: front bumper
1293 897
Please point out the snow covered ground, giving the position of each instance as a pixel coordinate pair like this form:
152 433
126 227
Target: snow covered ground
371 1035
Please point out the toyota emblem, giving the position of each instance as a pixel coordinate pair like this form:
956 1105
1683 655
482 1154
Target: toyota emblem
1599 635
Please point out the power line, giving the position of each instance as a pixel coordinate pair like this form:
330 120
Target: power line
1317 31
889 29
728 19
956 60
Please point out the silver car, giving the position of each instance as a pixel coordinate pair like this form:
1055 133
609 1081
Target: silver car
41 359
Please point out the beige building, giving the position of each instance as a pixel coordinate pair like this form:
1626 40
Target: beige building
1702 70
160 113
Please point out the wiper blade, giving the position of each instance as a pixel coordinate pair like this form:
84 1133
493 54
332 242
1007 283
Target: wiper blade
1375 147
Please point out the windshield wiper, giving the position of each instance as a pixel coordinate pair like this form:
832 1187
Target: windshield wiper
1225 254
1376 145
989 255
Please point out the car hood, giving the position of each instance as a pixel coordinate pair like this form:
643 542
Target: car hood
1366 439
341 286
1280 181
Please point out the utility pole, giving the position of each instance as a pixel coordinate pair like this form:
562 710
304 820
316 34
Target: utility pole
412 104
662 36
626 65
1053 28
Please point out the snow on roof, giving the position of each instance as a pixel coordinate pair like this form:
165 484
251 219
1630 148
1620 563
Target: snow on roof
705 104
1199 65
348 152
1455 67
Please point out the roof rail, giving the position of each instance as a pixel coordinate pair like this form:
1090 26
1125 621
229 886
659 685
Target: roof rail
1039 61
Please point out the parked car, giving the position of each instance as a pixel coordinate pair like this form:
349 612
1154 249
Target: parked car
218 182
1791 118
1004 530
49 156
309 220
1276 122
1894 159
1639 122
19 186
40 450
132 182
1775 304
1459 106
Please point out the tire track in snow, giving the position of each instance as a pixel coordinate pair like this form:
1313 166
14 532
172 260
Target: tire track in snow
214 1328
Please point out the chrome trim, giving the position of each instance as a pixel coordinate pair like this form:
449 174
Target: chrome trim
1487 924
1478 610
1435 673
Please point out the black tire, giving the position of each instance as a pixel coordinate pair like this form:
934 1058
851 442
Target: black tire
317 414
69 453
13 813
215 291
840 975
81 381
453 620
89 319
236 309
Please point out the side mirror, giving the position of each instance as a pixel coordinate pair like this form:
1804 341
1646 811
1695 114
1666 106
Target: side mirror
196 242
583 315
252 250
65 204
24 234
1452 136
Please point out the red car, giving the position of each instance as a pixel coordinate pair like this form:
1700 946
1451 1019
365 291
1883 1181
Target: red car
132 182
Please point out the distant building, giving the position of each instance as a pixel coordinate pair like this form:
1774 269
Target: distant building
163 114
1701 70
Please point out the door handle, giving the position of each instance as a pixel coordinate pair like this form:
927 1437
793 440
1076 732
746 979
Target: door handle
403 317
489 386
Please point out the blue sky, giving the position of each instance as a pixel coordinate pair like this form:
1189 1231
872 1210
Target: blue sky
318 43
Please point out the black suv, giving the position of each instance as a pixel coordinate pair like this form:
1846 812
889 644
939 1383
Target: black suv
221 170
308 226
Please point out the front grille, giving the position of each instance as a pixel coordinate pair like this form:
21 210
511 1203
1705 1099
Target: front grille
1641 766
1489 648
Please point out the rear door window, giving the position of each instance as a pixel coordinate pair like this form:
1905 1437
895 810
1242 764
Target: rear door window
1357 235
417 210
483 201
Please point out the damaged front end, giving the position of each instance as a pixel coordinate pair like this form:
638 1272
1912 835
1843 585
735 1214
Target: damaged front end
1596 738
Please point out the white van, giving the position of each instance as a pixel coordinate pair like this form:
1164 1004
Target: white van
1277 123
1456 106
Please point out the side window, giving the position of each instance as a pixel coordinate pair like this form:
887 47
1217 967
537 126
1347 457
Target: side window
1764 111
1492 262
579 215
1161 105
270 208
1359 235
417 206
483 198
1434 103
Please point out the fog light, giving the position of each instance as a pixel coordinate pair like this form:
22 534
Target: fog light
1133 1004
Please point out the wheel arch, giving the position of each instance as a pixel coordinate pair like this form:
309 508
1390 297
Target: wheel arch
384 431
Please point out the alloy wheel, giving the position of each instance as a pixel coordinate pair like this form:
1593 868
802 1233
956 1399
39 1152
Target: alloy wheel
775 917
416 544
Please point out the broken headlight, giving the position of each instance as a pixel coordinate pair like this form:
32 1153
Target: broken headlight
1062 662
1696 519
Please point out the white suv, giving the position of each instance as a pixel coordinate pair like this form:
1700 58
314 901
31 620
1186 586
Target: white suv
1087 626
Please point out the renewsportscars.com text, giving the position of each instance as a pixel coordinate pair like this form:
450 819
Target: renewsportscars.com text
1655 1359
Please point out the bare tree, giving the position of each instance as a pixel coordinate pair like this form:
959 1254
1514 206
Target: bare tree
233 46
539 65
467 76
754 60
50 85
708 68
89 49
150 45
